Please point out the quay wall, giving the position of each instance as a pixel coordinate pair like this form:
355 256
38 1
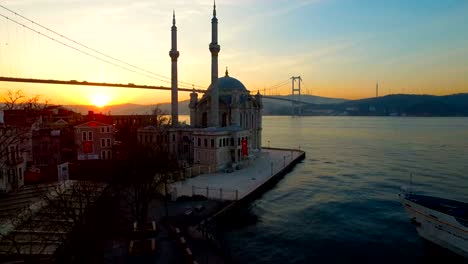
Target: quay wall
225 213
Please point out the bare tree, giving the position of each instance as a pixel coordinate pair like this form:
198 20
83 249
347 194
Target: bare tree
13 99
59 220
25 238
147 168
16 100
160 119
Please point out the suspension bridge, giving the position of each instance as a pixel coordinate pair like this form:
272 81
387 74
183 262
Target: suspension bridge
19 25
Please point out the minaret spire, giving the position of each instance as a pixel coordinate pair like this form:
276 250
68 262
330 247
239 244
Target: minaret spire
214 49
173 17
174 54
214 8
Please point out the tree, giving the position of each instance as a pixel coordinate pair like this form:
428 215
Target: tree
60 219
16 100
147 168
22 237
13 99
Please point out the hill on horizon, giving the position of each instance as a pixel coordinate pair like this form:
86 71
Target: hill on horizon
271 106
400 104
396 104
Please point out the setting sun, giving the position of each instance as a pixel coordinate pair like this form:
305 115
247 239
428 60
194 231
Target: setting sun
99 100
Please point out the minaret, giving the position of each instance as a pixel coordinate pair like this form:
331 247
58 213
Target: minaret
377 89
174 54
192 106
214 49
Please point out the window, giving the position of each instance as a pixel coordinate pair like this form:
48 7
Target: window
238 141
212 143
220 143
199 142
205 119
224 120
108 142
90 135
103 154
102 130
109 154
206 142
103 142
84 138
232 142
108 129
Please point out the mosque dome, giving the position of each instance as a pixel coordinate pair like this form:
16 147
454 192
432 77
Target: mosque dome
227 86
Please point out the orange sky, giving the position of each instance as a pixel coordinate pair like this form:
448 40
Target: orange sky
340 49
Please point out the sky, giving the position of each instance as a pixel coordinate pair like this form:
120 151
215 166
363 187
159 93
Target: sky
340 48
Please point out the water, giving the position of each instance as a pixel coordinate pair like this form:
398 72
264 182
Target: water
341 203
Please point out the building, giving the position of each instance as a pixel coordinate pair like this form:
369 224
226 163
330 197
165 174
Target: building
12 158
226 122
94 140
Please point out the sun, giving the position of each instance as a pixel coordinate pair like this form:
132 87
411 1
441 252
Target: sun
99 100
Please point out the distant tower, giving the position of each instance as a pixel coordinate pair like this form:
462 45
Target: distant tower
377 90
174 54
214 49
296 96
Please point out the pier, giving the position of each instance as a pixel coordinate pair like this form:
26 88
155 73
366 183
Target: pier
244 185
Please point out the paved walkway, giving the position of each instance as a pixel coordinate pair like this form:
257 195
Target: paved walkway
223 185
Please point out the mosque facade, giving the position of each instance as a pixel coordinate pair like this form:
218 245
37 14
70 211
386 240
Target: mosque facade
225 122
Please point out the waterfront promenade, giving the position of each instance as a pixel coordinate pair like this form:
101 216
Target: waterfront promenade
238 184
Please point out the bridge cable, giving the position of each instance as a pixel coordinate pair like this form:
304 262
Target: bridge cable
279 85
94 50
84 52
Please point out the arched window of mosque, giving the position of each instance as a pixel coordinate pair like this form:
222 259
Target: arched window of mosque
204 119
224 120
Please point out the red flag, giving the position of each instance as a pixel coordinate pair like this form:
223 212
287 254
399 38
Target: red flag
87 147
245 148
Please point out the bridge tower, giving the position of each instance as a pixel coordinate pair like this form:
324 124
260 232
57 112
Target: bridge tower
296 96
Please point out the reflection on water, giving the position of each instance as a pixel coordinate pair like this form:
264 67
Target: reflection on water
342 201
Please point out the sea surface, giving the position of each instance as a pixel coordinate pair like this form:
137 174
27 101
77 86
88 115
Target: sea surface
340 205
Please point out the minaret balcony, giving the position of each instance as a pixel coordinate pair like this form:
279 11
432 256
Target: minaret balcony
174 54
214 48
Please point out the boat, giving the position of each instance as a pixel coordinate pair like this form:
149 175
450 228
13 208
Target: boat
441 221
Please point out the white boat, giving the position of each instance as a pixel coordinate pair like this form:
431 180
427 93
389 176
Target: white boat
441 221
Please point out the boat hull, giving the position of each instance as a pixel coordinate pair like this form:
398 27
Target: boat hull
437 227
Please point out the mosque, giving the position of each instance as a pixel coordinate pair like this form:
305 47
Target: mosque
225 123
